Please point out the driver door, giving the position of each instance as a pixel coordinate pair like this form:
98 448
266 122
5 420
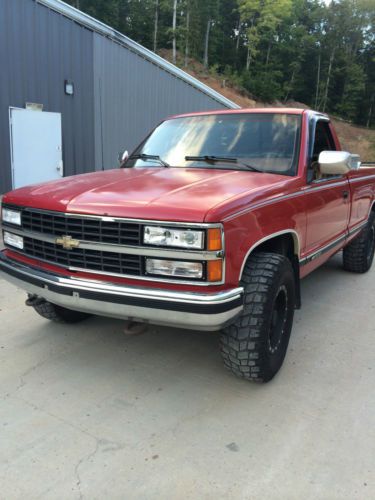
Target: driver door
328 197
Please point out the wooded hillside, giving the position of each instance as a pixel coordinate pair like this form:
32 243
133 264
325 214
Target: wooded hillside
278 50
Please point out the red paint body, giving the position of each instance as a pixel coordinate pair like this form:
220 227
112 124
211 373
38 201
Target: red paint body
250 205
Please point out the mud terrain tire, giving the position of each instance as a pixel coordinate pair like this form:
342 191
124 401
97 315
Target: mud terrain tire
59 314
359 254
254 347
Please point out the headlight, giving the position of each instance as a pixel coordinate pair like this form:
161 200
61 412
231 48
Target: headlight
11 216
174 268
185 238
13 240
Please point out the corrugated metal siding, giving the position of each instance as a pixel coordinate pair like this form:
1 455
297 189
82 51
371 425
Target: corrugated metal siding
132 95
98 27
39 49
121 89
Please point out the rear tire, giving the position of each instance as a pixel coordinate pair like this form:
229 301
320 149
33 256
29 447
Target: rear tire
59 314
254 347
359 254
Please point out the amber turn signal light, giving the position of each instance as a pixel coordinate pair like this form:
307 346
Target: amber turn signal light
214 270
214 239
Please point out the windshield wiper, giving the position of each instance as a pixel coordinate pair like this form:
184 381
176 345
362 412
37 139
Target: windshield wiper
228 159
211 158
146 157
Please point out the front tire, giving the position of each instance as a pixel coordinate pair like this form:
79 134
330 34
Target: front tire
359 254
58 314
254 347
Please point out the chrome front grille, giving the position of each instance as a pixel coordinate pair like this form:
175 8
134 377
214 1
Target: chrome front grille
101 244
81 228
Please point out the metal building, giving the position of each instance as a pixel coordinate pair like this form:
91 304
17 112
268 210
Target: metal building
74 92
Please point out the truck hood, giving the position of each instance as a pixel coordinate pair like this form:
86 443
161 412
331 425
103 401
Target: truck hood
181 194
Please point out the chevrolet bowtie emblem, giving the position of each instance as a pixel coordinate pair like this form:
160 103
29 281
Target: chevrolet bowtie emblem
67 242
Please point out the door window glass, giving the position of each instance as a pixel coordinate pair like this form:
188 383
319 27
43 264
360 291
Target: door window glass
323 141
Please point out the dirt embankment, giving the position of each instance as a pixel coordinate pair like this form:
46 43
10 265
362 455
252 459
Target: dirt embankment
355 139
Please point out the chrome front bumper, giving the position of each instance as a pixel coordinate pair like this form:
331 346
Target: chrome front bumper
195 311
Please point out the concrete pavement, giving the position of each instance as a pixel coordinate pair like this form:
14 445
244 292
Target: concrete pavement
89 412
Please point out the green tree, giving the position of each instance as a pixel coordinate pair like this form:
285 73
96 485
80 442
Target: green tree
279 50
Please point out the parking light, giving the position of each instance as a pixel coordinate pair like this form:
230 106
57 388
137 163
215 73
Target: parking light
13 240
173 268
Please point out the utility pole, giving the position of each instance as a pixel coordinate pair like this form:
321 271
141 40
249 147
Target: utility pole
187 38
156 24
174 30
206 41
317 83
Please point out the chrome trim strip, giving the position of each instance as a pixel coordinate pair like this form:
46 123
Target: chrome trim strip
357 227
148 251
340 177
308 258
108 218
293 232
200 255
359 179
126 290
322 187
262 204
143 277
317 253
304 190
127 276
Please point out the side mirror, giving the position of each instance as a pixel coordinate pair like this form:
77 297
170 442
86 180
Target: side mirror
338 162
123 158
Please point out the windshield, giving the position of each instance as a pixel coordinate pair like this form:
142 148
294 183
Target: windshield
266 142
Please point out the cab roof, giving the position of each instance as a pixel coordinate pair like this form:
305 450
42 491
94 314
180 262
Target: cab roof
289 111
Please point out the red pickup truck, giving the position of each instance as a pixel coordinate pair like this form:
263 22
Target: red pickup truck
210 225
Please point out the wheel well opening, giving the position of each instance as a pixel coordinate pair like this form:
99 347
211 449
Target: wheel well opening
283 244
287 245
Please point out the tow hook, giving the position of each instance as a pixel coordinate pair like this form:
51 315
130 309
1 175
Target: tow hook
34 300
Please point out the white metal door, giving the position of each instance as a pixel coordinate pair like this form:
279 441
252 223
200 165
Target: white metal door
35 146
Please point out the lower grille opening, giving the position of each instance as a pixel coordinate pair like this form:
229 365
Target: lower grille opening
83 258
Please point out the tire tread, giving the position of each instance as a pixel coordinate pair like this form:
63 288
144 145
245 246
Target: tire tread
59 314
355 253
243 342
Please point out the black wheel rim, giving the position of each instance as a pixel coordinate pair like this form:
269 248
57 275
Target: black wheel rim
371 245
278 319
